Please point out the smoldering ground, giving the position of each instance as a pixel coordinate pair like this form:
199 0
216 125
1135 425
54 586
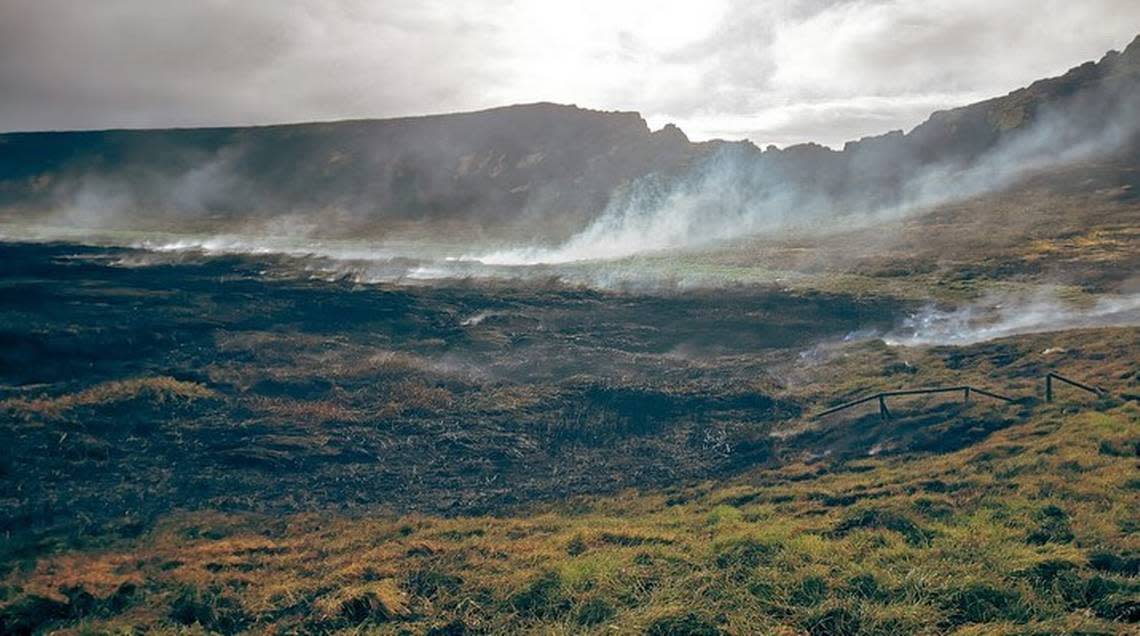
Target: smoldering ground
160 385
1002 316
176 391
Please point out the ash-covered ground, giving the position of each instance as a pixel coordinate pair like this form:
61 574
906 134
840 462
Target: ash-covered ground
239 383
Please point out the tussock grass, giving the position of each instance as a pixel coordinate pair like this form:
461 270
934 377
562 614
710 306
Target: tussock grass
306 411
951 544
160 390
413 396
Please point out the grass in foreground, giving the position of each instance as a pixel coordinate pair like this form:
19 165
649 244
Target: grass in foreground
1032 531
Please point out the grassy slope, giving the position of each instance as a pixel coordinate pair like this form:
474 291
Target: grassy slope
978 519
1030 530
1073 227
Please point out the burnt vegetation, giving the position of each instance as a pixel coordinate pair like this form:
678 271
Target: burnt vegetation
195 443
135 391
322 460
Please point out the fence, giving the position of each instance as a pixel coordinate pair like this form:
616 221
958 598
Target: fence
966 391
1049 377
884 412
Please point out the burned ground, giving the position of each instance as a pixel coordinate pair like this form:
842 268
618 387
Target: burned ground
196 443
205 383
238 444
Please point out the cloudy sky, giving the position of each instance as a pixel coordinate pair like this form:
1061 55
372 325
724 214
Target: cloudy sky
774 71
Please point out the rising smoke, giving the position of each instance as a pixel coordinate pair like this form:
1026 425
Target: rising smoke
214 205
737 193
230 190
999 317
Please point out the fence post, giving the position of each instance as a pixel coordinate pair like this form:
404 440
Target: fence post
883 412
966 397
1048 387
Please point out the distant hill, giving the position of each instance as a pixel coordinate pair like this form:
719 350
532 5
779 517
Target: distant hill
1092 110
518 168
495 165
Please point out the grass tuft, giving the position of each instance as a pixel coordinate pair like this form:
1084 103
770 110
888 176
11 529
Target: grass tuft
688 624
159 390
882 519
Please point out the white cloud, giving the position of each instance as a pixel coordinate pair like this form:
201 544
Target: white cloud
777 71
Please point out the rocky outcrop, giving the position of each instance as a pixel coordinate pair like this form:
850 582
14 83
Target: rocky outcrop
1092 110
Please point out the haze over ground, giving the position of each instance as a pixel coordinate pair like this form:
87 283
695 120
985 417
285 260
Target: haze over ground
550 369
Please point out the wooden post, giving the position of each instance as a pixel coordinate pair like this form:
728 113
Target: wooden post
883 412
1048 387
966 396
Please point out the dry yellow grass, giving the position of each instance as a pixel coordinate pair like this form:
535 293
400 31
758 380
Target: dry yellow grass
306 411
158 389
415 396
957 543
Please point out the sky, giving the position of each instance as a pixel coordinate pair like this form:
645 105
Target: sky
772 71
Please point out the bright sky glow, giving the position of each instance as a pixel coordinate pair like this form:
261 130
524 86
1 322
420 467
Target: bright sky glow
773 71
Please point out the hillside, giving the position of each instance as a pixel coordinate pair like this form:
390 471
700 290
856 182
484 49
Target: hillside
355 441
534 171
382 461
555 162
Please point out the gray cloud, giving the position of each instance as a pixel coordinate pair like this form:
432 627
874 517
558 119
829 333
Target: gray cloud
140 63
779 71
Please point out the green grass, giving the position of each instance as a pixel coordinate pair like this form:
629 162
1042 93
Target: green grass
979 519
980 540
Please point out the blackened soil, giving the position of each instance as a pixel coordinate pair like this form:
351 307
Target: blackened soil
459 398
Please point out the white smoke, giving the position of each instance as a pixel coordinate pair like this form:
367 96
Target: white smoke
715 203
736 193
729 196
1002 317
